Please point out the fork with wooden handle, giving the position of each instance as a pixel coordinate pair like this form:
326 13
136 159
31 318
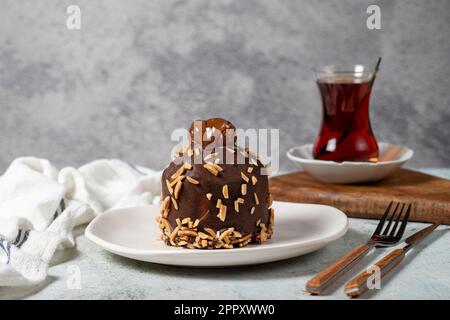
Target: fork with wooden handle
387 237
358 284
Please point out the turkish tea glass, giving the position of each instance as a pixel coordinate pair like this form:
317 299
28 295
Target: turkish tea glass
345 133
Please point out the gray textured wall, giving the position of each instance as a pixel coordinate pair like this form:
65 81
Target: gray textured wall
138 69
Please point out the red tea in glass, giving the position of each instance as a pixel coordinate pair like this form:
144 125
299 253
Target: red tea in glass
345 134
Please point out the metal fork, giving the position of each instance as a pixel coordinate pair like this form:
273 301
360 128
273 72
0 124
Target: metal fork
382 237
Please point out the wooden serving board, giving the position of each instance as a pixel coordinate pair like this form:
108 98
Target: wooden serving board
429 194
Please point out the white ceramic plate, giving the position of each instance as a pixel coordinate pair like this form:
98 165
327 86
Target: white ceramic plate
299 229
392 157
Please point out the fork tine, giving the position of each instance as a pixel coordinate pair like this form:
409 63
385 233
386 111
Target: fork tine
386 230
402 228
383 219
399 217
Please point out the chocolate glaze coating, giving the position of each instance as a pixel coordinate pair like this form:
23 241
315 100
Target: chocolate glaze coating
204 204
193 203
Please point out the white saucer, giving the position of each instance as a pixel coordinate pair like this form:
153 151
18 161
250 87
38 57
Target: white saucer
392 158
299 229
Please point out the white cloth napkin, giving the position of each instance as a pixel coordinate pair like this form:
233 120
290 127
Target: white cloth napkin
40 206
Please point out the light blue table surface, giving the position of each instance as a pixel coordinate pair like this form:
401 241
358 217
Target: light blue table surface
425 273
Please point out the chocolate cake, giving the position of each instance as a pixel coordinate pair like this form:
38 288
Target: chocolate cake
213 193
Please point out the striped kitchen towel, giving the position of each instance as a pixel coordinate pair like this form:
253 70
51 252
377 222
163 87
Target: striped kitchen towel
40 206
